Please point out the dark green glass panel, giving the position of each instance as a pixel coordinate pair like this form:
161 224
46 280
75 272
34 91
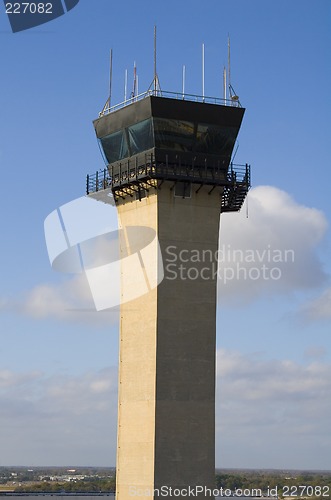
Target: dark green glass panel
115 146
140 136
173 134
214 139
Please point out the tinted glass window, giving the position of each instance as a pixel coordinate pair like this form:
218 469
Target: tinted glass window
140 136
115 146
173 134
214 139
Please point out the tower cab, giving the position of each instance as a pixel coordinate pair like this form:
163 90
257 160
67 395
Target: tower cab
171 137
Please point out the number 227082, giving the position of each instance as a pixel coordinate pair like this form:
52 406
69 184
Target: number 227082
29 8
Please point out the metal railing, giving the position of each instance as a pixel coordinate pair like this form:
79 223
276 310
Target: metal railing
98 181
130 171
239 173
170 95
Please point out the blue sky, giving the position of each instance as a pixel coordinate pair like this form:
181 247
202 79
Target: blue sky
58 369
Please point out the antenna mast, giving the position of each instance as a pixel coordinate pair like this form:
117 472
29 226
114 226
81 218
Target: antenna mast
203 71
107 105
134 80
232 93
125 84
110 76
224 84
155 85
229 65
155 73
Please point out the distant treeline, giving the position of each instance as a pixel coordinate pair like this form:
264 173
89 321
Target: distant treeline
83 486
294 485
288 484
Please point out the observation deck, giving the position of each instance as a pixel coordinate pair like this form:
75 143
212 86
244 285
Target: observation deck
162 136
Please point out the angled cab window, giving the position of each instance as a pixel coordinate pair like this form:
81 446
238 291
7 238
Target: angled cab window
214 139
173 134
115 146
140 137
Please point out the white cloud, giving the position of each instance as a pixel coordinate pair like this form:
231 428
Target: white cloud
62 419
254 378
278 234
81 395
69 301
46 300
315 352
319 308
9 379
272 413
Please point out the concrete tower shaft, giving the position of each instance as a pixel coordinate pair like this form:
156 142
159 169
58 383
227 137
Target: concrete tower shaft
166 415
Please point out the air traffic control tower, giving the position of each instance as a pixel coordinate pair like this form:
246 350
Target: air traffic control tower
169 169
